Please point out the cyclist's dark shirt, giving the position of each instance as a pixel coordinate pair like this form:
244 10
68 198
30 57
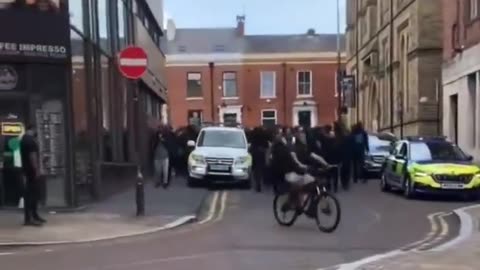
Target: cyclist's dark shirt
282 161
302 152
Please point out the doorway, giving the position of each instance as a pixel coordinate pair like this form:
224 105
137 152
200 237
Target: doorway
230 119
11 184
305 119
454 117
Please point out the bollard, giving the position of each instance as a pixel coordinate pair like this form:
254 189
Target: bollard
140 194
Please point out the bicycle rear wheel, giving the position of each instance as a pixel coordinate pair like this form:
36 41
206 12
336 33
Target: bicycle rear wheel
329 205
284 218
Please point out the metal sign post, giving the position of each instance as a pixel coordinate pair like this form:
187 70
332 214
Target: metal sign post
133 63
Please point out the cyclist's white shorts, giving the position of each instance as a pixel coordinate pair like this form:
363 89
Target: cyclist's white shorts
298 179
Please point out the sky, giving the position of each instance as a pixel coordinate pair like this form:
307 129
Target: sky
262 16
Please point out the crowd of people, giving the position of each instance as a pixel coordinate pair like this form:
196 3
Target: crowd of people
278 153
285 153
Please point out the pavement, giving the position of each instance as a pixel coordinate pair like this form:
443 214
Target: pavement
109 219
240 233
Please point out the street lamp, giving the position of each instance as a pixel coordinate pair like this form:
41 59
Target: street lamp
339 66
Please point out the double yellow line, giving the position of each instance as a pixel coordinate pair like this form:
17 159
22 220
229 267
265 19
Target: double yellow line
438 231
217 207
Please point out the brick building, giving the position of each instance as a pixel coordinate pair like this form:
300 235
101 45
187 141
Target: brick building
461 78
222 75
394 49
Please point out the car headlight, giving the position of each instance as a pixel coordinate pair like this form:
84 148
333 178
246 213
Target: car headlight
199 159
241 160
421 174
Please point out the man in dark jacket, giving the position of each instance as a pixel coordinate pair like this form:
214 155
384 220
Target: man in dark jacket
360 148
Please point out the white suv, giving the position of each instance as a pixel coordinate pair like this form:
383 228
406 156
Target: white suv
220 156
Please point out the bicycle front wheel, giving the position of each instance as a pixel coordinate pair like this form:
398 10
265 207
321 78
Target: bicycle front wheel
284 216
327 206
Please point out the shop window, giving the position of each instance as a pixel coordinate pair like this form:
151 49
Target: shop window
106 108
121 12
194 85
103 25
76 14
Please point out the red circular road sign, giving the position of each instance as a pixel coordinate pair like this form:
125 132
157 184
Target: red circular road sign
132 62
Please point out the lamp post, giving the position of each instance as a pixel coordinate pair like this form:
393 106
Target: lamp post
339 66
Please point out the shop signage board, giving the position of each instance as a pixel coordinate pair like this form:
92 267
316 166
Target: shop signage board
133 62
12 128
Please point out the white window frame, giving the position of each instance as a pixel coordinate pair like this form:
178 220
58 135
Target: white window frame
269 118
201 86
274 94
473 9
223 85
310 94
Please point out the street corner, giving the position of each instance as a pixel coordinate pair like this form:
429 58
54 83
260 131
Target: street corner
85 228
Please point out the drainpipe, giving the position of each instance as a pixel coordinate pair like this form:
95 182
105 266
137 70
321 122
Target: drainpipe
285 113
339 67
392 111
211 66
357 60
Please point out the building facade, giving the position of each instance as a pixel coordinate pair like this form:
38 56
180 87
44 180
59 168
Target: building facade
461 74
224 75
92 124
394 50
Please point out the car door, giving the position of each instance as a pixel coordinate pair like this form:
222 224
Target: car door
390 162
400 162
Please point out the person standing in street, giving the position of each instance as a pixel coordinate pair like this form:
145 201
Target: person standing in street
343 150
29 152
161 159
360 148
258 149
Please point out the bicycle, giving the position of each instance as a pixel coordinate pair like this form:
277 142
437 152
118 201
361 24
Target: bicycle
317 199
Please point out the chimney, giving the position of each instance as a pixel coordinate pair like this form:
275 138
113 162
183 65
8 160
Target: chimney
171 29
241 25
311 32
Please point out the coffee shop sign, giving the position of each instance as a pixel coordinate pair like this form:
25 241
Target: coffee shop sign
34 50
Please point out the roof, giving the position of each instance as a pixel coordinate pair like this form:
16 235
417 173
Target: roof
226 40
205 40
292 43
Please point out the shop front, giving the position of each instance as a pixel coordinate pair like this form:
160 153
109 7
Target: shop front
34 83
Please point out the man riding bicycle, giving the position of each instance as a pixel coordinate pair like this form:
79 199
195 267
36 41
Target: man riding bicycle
293 162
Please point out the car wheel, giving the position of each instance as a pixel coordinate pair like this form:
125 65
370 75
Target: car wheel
408 189
384 183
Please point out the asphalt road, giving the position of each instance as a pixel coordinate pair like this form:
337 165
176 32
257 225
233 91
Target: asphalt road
243 235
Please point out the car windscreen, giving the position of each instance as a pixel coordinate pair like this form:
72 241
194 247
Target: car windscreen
376 145
222 138
436 151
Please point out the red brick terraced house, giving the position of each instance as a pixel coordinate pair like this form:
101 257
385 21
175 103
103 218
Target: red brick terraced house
223 75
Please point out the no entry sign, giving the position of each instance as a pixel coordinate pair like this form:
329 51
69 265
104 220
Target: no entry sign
133 62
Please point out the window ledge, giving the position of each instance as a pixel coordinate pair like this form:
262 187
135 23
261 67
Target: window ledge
272 97
305 96
194 98
231 98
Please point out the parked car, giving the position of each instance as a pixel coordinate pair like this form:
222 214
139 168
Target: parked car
220 155
430 165
380 146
